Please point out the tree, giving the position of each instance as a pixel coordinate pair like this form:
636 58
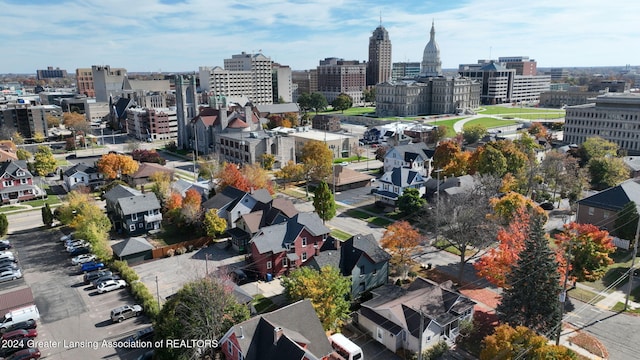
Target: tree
23 154
537 130
44 162
148 156
257 178
627 221
506 207
113 166
521 343
410 202
342 102
516 159
530 297
381 152
230 175
589 248
4 224
290 172
327 289
491 162
208 168
369 95
466 221
267 161
318 102
401 239
317 160
38 137
17 138
47 215
204 309
52 121
552 168
445 153
76 122
596 147
190 211
161 185
172 207
293 118
359 150
214 225
304 100
438 133
574 180
323 202
472 133
607 172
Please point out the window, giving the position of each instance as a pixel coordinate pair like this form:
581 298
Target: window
240 355
304 256
605 214
374 272
379 334
288 246
134 217
132 227
591 210
285 262
304 241
229 347
6 183
23 181
361 270
141 225
269 265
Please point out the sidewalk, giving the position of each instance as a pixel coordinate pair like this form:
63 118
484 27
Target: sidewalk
614 297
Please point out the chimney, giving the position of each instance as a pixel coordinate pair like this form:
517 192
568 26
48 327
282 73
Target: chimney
316 247
277 332
337 243
222 113
241 333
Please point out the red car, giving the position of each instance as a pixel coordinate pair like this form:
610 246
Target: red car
26 354
20 334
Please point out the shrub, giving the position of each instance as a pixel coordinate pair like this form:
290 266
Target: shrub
181 250
146 299
398 282
412 274
126 273
171 252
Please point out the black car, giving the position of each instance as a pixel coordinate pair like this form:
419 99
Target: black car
27 324
13 346
547 206
104 278
79 251
5 245
91 276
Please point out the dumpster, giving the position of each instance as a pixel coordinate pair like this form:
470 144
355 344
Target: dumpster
269 277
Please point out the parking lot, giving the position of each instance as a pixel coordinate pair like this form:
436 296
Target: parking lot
74 318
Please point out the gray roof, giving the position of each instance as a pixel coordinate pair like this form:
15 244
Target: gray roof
80 168
402 177
633 162
120 191
275 237
614 198
138 204
132 245
11 167
369 245
457 185
262 195
312 222
325 258
223 199
182 186
278 108
410 152
300 324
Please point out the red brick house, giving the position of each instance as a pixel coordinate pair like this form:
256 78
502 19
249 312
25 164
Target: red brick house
292 332
279 248
17 182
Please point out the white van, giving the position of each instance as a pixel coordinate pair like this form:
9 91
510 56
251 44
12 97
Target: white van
19 315
345 347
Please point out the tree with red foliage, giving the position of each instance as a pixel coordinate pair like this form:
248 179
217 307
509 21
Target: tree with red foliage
148 156
589 248
230 175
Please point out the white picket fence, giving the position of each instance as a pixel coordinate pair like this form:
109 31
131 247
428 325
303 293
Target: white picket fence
621 243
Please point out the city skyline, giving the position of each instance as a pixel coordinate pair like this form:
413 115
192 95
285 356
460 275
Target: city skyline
180 36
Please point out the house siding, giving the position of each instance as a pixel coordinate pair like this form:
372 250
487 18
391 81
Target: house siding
235 348
8 181
390 341
361 282
602 217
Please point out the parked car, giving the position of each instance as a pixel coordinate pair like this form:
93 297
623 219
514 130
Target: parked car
104 278
77 244
111 285
141 335
89 277
8 266
82 259
79 251
64 238
5 245
26 325
91 266
10 275
7 255
125 312
30 353
20 334
10 347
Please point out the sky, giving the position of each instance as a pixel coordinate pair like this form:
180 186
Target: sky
180 36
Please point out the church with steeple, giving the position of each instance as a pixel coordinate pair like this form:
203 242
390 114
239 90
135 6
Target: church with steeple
431 92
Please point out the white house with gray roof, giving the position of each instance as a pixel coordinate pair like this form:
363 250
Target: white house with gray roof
131 211
81 175
412 156
393 183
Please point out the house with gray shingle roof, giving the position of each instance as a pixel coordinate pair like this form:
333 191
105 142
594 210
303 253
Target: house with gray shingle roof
392 317
412 156
17 182
293 332
393 183
602 208
133 250
82 175
282 247
132 211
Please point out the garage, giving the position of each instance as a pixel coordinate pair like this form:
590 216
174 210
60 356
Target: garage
133 250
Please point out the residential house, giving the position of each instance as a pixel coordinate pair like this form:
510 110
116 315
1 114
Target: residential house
279 248
144 173
633 163
17 182
392 317
412 156
293 332
133 250
82 175
345 178
275 212
393 183
131 211
182 186
232 203
360 258
602 208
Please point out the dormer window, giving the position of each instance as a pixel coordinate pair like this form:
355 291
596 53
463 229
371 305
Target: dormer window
20 173
288 246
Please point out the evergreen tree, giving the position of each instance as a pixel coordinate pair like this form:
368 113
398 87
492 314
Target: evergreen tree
323 202
627 221
4 225
47 215
410 202
531 296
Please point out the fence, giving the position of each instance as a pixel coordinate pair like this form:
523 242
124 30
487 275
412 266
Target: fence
621 243
194 244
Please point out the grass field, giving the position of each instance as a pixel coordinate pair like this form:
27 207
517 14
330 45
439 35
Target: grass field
358 214
354 111
448 123
340 235
500 110
546 116
490 122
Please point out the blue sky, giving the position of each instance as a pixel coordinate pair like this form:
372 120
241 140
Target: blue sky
172 35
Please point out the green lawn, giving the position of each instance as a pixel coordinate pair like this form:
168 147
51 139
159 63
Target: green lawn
546 116
584 295
354 111
7 208
490 122
340 235
350 159
448 123
499 110
261 303
51 200
359 214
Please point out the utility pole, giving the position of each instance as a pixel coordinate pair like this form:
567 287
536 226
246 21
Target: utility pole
420 335
633 262
195 153
563 295
437 171
158 291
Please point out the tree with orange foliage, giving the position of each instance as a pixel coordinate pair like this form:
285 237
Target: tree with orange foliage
190 211
113 166
401 239
589 248
230 175
445 153
458 166
257 178
538 130
506 207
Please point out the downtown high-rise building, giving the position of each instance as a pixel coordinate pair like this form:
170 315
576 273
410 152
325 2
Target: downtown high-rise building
379 65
